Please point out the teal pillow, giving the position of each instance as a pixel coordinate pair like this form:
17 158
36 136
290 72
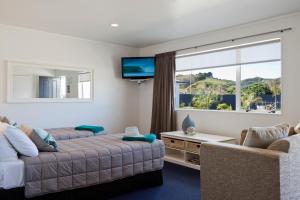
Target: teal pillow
43 140
144 138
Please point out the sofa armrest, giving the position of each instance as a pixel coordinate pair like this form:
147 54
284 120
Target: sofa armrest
233 172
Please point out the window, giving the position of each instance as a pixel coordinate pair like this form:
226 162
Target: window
245 78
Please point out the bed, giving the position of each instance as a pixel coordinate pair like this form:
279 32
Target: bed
84 161
11 174
68 133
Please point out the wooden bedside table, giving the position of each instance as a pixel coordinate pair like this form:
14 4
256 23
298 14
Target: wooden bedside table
185 149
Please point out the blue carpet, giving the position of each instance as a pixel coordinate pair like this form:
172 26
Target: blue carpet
179 183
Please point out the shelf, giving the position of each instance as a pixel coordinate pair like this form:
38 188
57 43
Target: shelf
192 158
189 147
192 153
174 149
181 162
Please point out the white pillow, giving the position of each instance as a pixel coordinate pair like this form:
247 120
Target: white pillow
132 131
3 127
262 137
7 152
21 142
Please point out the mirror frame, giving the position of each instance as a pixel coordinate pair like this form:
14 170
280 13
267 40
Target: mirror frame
9 81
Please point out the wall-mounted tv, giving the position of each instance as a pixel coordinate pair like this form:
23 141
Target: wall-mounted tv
138 67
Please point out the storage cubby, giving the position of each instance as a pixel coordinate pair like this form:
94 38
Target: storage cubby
192 158
185 149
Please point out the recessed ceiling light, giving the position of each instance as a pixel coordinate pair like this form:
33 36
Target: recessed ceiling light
114 25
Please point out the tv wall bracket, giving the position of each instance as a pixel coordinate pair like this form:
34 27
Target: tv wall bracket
138 81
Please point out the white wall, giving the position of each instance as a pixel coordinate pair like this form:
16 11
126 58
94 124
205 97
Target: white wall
119 103
230 123
115 99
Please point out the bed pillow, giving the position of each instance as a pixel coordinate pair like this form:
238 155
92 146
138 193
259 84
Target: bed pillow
4 120
7 152
3 127
26 129
7 121
43 140
21 142
262 137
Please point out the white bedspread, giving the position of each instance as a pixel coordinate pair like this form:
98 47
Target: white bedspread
11 174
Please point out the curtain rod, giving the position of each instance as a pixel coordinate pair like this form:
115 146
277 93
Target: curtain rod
239 38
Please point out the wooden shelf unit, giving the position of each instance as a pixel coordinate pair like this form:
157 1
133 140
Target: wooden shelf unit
184 149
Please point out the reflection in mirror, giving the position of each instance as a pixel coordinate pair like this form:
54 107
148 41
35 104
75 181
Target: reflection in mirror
42 82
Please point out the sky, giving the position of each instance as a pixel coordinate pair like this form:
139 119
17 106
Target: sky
264 70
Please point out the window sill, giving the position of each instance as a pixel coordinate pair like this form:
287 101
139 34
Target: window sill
226 111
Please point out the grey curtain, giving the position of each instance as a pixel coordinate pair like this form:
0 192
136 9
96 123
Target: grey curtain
163 108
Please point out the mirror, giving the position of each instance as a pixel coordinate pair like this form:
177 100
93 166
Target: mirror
44 83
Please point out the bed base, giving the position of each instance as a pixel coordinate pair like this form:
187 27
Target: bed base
101 191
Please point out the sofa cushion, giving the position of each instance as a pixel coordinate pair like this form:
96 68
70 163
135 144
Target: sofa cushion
292 131
262 137
280 145
297 128
288 145
243 136
245 131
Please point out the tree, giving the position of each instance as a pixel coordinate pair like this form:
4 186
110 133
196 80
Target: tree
203 101
202 76
231 89
249 99
182 105
224 106
258 89
274 87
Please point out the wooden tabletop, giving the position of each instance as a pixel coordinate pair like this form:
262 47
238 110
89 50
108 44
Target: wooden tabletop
198 137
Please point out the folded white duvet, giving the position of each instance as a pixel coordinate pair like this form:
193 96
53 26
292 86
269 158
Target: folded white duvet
11 174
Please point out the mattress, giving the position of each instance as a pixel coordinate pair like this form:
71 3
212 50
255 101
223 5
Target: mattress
83 162
11 174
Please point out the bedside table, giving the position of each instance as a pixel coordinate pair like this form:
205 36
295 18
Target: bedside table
184 149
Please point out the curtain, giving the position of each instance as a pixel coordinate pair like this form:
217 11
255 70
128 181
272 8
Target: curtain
163 107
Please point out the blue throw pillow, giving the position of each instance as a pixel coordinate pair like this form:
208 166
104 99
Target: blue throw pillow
43 140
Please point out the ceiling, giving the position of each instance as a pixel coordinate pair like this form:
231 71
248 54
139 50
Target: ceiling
142 22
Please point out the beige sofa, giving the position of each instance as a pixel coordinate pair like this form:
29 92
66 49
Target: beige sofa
234 172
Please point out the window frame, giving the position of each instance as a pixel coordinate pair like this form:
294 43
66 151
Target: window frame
238 75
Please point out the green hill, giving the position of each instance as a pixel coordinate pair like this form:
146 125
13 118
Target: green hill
250 81
205 83
211 86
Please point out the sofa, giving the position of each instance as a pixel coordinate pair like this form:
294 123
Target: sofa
235 172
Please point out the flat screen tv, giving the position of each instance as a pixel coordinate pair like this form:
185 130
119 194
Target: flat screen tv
138 67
